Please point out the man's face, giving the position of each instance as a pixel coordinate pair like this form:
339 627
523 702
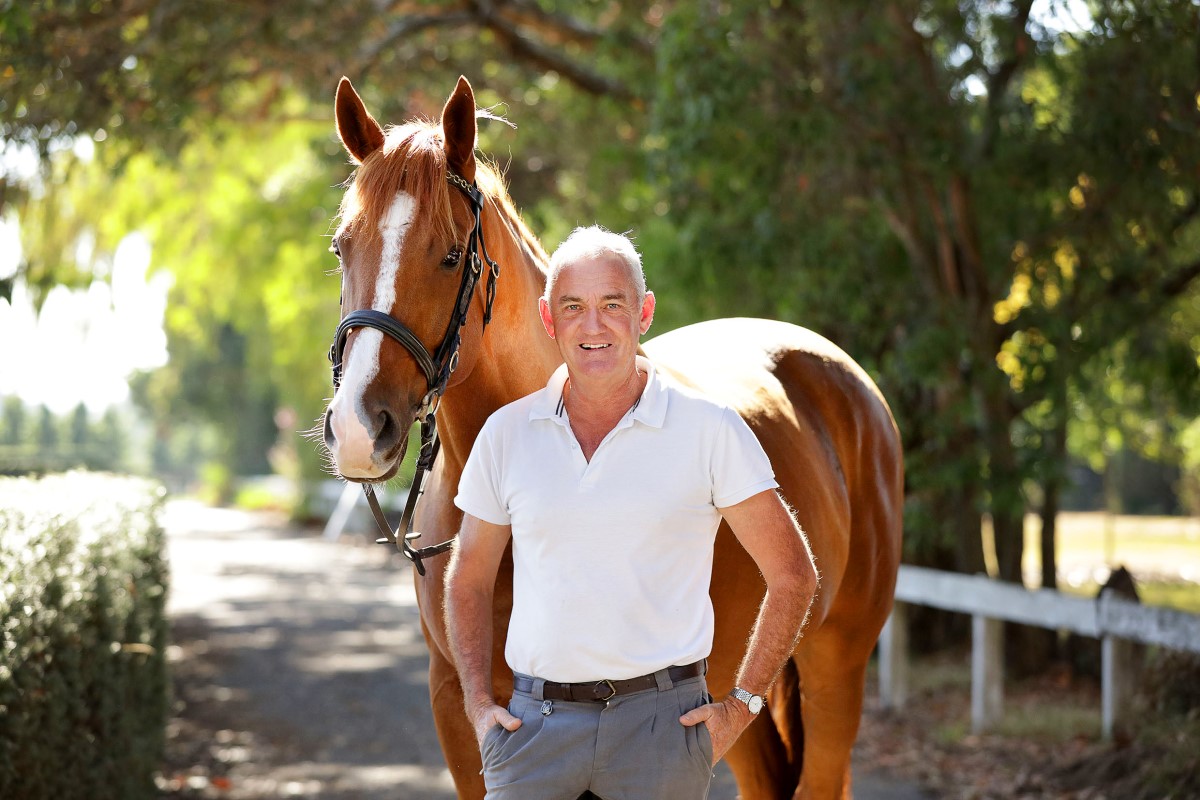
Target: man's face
596 317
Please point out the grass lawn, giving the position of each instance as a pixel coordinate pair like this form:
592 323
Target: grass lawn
1163 553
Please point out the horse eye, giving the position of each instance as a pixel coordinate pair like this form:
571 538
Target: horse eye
335 248
453 258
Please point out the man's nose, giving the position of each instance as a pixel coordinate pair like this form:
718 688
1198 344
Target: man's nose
591 320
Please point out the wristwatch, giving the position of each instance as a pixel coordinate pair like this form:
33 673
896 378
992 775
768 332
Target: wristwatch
754 702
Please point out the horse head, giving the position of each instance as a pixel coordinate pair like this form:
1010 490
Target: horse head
406 244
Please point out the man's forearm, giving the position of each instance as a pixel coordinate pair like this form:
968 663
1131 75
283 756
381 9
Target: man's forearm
469 630
769 532
776 631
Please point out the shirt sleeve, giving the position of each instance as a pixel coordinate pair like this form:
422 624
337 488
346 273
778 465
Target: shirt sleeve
740 467
479 488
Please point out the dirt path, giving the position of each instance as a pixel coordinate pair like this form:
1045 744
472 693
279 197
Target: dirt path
300 669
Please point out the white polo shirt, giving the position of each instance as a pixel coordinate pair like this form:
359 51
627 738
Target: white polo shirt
612 558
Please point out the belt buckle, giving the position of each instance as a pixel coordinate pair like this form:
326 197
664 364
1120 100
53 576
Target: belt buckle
612 690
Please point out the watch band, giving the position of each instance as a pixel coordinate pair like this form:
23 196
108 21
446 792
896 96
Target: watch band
754 702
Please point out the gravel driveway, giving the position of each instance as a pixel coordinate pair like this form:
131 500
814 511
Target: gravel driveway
300 668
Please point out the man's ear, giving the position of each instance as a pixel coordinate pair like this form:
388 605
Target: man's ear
547 318
647 312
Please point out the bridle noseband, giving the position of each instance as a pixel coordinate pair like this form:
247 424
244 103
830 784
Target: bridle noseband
437 368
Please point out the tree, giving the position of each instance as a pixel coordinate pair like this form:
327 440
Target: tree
985 210
232 172
79 428
47 431
15 416
946 189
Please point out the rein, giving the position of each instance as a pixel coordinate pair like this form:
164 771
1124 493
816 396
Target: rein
437 369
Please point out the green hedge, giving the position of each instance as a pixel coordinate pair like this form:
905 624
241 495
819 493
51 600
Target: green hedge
83 680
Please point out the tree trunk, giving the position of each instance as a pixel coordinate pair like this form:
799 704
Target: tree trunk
1004 481
1028 649
1052 491
956 544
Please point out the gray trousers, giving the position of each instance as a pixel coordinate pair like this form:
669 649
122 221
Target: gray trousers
631 748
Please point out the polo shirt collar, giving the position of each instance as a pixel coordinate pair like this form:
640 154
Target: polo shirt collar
650 409
547 404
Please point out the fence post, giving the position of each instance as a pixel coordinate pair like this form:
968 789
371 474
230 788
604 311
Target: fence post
893 659
1116 683
987 672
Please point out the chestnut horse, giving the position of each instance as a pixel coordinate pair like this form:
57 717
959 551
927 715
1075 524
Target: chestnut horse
405 224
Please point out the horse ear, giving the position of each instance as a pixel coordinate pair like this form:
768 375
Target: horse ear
458 126
358 130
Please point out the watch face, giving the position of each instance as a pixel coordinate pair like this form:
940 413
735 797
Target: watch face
755 703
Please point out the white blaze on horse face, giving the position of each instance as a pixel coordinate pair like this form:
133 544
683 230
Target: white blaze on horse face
354 446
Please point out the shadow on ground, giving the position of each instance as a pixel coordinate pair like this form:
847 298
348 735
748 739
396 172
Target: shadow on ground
300 669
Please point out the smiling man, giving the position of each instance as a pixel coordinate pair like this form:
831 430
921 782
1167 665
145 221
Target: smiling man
611 483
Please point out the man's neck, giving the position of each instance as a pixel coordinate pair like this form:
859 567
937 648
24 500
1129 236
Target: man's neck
594 410
593 399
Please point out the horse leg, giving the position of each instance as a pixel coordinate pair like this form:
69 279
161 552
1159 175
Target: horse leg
833 669
766 759
759 761
454 731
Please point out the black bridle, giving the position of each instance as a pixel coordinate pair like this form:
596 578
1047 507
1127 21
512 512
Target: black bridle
437 369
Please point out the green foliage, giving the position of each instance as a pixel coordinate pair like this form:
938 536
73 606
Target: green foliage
996 218
47 442
83 681
238 219
139 72
986 213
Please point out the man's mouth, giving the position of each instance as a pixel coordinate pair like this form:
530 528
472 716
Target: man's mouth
594 346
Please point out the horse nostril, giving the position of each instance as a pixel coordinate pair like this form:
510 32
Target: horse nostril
388 434
330 439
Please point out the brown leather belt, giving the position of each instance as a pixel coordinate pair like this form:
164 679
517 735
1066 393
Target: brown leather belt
602 691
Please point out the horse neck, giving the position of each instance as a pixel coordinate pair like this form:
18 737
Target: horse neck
516 356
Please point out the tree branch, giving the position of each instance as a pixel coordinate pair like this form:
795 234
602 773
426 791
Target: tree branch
562 27
998 81
921 260
946 260
406 26
962 207
537 53
1176 283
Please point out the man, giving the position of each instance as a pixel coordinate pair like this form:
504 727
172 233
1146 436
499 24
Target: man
611 483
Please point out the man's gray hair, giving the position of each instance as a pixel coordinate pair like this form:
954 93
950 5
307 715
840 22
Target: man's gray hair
592 242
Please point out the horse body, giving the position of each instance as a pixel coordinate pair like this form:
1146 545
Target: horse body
836 454
827 430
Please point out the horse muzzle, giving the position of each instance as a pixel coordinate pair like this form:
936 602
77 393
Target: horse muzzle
368 442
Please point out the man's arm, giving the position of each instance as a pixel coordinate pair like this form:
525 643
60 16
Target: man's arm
470 582
773 539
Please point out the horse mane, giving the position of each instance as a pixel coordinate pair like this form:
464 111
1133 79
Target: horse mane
413 160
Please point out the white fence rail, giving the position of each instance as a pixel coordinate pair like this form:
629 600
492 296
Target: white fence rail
1117 622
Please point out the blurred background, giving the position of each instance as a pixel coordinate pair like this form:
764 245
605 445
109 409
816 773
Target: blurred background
992 206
